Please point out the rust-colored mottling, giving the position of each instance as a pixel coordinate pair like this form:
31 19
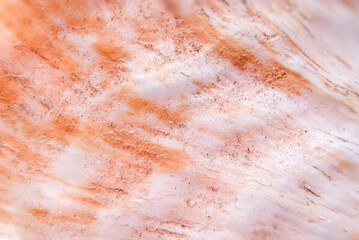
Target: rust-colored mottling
39 213
133 156
47 40
161 112
65 123
172 7
231 51
124 148
10 91
23 152
165 158
85 200
31 129
162 231
75 216
108 49
270 72
6 172
5 215
203 87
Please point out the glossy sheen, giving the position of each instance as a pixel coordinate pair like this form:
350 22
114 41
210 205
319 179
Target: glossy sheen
191 119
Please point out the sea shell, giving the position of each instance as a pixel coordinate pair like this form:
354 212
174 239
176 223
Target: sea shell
190 119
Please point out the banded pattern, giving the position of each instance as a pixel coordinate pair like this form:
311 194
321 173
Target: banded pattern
191 119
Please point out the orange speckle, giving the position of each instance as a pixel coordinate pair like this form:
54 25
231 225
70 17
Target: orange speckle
203 86
39 213
166 158
65 123
23 152
85 200
163 113
74 216
10 91
232 52
271 73
162 231
109 50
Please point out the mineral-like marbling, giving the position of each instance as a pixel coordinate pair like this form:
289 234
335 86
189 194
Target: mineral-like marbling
191 119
